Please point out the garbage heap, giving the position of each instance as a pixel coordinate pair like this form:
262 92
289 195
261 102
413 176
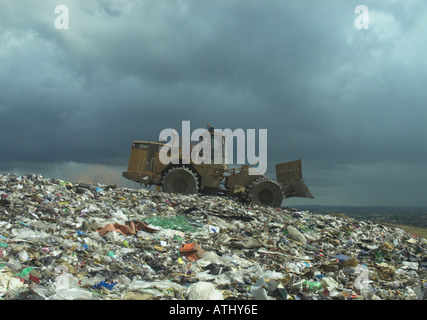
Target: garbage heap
64 241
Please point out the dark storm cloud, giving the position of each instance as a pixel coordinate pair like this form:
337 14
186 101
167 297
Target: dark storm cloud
348 102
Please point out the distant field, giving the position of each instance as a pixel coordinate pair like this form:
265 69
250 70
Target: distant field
420 232
410 219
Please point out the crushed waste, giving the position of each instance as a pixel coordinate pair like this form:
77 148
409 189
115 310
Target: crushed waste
76 241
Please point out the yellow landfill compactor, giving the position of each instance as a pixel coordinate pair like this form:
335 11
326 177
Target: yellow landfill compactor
146 168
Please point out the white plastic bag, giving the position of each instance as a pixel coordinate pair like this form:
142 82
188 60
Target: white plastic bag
204 291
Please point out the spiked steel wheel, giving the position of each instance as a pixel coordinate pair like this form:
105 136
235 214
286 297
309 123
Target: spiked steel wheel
264 191
180 180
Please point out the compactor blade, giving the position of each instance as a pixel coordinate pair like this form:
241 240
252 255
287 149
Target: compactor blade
289 175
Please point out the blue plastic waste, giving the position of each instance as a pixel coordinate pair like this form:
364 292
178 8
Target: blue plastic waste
341 257
104 284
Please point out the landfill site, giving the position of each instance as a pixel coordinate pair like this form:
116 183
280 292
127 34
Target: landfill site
62 240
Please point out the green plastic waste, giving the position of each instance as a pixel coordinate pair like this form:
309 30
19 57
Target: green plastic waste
379 256
175 223
24 272
313 285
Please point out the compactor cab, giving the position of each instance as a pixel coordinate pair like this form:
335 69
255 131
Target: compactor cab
182 175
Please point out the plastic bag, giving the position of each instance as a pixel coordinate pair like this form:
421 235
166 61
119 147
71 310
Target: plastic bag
204 291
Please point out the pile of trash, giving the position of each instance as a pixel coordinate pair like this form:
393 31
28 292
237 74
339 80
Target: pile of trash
65 241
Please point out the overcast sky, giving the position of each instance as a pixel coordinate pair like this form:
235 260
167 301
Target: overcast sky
349 102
